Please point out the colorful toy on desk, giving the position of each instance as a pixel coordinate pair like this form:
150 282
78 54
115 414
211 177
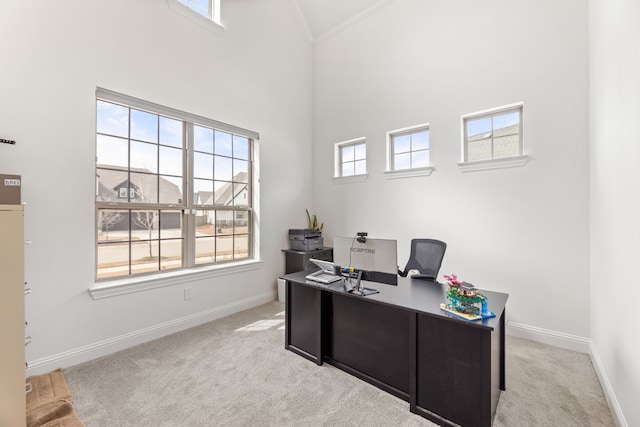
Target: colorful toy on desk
465 301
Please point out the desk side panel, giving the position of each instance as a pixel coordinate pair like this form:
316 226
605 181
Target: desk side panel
453 364
304 320
371 338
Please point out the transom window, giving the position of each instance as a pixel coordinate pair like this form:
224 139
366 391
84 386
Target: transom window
173 190
351 158
408 148
493 134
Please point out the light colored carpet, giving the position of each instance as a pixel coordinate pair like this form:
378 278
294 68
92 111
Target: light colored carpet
236 372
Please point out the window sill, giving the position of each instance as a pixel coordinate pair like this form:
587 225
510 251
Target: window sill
137 284
505 162
350 179
408 173
194 16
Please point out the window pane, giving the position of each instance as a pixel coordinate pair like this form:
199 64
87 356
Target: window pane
145 225
144 156
112 151
145 187
420 159
401 144
224 248
242 222
223 194
420 141
479 150
144 126
223 143
361 167
240 170
144 256
348 153
360 152
170 132
508 123
113 225
203 139
170 225
222 169
203 192
113 259
107 183
170 190
240 147
224 222
205 250
170 161
203 165
112 119
506 146
205 223
402 161
348 169
241 246
241 194
170 254
476 127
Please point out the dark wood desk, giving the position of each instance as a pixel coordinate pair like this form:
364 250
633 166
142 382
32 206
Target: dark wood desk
449 370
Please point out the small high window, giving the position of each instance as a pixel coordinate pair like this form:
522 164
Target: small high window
351 158
493 134
408 148
206 8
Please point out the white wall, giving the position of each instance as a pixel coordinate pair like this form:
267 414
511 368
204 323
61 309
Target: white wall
614 204
256 74
524 230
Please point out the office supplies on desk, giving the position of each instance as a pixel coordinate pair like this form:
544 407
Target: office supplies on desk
326 274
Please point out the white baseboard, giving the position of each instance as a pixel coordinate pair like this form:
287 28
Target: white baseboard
575 343
546 336
614 406
112 345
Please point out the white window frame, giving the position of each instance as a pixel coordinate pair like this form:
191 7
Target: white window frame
391 172
126 284
518 160
337 172
212 22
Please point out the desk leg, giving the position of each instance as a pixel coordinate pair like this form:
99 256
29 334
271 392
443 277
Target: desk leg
413 362
502 351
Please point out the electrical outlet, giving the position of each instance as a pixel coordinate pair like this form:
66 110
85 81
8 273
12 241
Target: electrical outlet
187 293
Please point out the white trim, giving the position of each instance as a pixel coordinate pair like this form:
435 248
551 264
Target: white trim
211 25
546 336
494 110
121 342
142 283
350 179
342 26
409 173
500 163
607 388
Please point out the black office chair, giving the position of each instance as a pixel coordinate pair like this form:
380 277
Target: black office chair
426 257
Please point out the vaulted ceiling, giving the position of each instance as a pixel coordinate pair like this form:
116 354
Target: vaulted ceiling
326 17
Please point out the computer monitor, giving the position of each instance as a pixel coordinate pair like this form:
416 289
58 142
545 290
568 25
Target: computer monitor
378 258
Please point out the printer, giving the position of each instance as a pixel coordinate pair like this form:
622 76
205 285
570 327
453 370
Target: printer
305 239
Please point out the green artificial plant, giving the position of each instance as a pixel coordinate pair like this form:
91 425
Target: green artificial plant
313 223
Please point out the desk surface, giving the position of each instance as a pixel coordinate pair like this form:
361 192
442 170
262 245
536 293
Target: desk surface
413 294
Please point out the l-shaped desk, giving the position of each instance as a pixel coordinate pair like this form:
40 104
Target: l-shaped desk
449 370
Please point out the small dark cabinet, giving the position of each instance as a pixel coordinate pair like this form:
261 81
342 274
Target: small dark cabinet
299 260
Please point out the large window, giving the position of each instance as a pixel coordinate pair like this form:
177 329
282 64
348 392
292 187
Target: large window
173 190
493 134
351 158
408 148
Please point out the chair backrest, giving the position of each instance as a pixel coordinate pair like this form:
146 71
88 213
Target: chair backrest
426 256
